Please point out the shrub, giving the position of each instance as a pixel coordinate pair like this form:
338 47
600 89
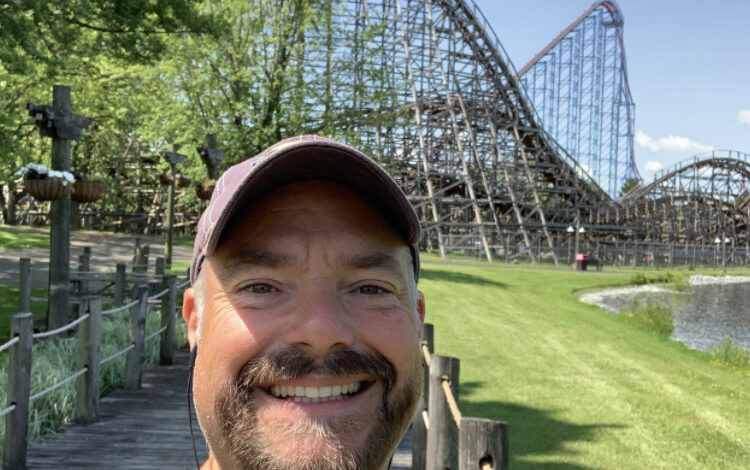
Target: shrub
679 281
639 279
659 318
731 354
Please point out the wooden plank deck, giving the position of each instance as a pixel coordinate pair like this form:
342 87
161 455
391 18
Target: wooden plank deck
140 430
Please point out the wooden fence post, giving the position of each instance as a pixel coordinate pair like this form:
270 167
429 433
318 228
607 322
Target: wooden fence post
18 388
134 361
442 433
140 260
159 266
168 306
144 258
419 426
82 283
24 286
89 348
120 276
159 270
483 444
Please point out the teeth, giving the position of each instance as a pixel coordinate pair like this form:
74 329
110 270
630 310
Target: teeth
314 394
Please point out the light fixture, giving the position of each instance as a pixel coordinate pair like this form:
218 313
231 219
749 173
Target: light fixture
718 240
570 229
581 230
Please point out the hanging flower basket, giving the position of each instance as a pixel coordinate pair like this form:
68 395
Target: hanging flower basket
87 191
182 181
165 179
204 191
51 189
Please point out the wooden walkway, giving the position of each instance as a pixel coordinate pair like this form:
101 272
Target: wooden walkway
139 430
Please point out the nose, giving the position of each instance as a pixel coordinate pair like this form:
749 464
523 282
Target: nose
320 322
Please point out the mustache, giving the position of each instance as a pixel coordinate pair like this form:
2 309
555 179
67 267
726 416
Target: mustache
292 363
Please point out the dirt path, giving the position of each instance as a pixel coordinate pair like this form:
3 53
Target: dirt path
107 250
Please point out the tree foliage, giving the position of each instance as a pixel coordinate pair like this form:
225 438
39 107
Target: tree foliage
152 73
629 184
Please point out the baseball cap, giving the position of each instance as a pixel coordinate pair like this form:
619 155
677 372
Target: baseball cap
301 158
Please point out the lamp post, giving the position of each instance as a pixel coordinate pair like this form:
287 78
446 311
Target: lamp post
570 230
174 159
579 231
723 241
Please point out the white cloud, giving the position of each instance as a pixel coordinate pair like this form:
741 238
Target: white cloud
670 143
653 165
743 116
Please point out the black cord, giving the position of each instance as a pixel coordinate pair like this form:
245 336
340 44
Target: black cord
191 366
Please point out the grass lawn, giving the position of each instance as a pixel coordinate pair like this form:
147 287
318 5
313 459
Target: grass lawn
9 306
580 388
11 238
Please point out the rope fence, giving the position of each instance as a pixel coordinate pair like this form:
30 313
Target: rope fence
116 355
441 436
59 384
9 344
159 295
62 329
87 307
7 410
155 333
120 308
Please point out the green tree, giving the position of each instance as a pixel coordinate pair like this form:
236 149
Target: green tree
629 184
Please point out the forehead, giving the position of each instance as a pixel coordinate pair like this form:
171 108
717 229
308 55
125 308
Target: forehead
327 213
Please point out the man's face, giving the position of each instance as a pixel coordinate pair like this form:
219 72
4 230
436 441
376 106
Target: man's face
309 345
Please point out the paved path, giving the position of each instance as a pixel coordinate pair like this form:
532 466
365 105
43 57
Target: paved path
107 249
139 430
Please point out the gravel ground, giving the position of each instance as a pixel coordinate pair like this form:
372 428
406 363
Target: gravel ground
106 251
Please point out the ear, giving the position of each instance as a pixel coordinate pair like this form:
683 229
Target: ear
190 316
420 308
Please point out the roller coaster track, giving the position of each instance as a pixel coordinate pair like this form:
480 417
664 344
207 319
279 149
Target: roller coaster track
693 202
579 86
425 87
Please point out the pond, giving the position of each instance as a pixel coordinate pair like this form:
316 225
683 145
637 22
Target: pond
714 309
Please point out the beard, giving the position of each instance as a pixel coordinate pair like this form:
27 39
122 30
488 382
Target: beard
319 443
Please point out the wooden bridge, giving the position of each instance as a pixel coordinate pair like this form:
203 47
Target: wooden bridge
140 429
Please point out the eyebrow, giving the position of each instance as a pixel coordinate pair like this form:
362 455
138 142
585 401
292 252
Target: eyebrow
249 258
375 260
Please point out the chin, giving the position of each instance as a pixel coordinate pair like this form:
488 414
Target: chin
313 438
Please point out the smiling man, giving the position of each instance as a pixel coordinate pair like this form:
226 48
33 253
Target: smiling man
304 316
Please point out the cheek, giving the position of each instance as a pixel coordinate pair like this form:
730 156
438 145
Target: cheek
394 335
228 341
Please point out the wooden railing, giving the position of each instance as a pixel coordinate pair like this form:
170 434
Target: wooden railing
157 289
441 437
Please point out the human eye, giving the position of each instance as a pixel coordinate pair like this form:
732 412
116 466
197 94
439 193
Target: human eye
259 288
372 289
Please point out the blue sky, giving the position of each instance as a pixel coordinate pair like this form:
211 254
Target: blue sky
688 64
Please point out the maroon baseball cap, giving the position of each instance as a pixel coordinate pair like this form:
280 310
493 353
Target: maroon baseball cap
301 158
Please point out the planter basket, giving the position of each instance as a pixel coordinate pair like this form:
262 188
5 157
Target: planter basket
165 179
182 181
87 191
47 189
204 192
